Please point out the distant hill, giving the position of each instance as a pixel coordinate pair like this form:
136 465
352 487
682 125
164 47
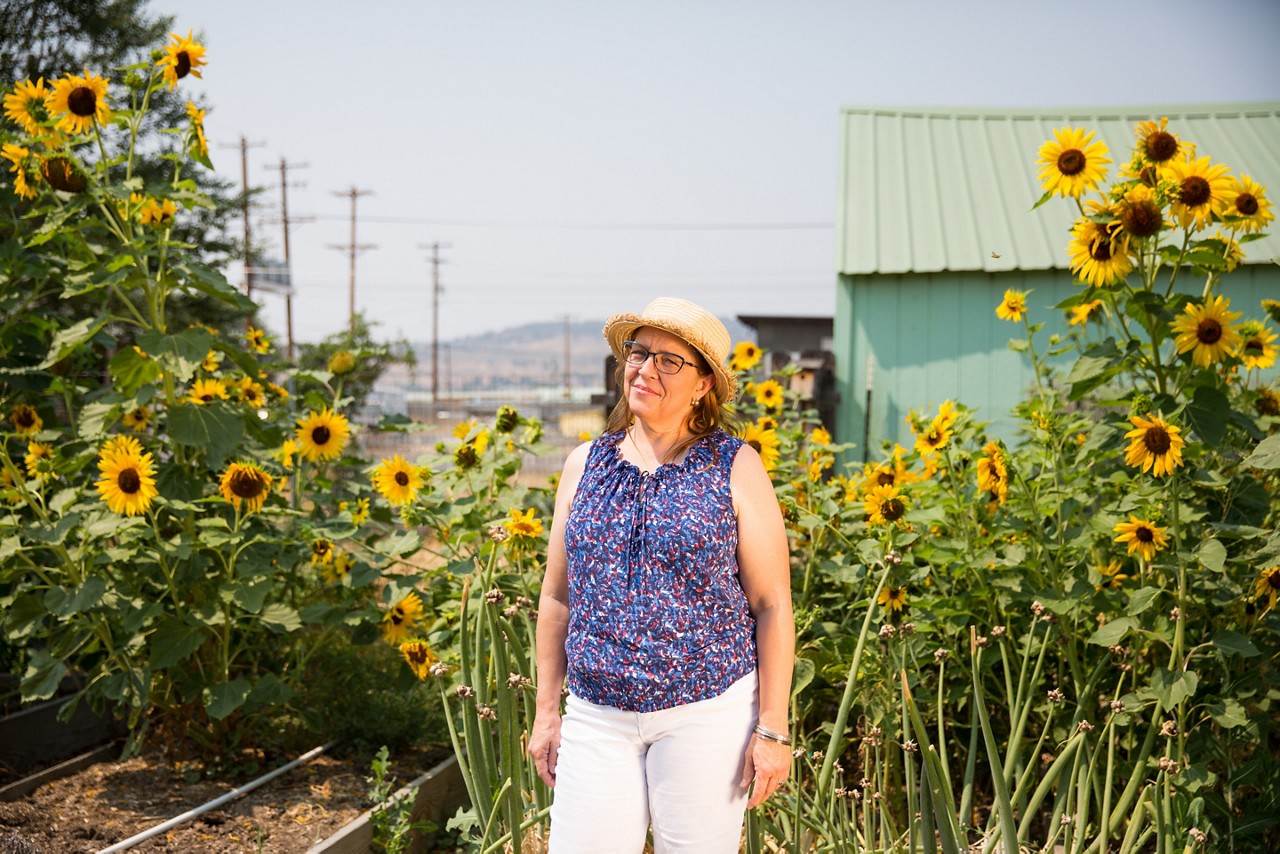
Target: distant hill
527 356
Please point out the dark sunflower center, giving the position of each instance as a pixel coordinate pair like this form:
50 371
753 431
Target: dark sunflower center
206 397
1253 347
82 101
1209 331
886 478
895 594
1100 250
1145 535
1195 191
402 479
417 654
129 481
1273 580
1141 219
893 509
755 443
933 437
24 420
139 415
397 615
1071 161
182 64
320 549
1267 403
1246 204
1161 145
320 435
1157 440
247 484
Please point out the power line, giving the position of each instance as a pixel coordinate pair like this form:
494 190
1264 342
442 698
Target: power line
596 226
352 248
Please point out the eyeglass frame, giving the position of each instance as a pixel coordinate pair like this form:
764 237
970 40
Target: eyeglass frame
629 347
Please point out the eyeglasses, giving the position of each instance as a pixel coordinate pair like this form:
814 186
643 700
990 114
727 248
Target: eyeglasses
666 363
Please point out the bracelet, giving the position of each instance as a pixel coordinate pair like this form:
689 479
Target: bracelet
769 735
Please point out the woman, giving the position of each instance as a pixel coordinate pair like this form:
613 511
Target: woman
667 604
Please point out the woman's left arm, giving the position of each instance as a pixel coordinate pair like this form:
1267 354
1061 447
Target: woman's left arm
765 572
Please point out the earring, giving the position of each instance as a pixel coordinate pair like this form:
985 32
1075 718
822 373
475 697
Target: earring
695 401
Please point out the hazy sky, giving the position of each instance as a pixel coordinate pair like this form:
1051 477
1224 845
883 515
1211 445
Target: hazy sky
580 158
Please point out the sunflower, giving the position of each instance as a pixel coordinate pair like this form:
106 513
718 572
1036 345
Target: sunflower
342 362
1257 345
211 362
1206 330
765 441
1072 163
138 419
206 391
746 355
39 460
1268 585
128 483
767 422
17 155
322 552
1154 444
465 456
1246 200
1201 190
247 484
197 124
1226 246
523 525
936 436
1112 577
1013 306
892 598
1272 308
1139 213
25 105
1080 314
359 513
338 568
286 452
1157 146
396 480
322 435
506 419
1098 257
155 212
418 656
820 436
1267 403
181 58
993 473
79 101
250 393
769 394
884 505
401 620
258 341
1144 538
25 420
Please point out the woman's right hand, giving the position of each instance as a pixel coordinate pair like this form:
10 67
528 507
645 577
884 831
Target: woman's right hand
544 745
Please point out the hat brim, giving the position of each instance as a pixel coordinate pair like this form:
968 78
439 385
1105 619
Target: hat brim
622 327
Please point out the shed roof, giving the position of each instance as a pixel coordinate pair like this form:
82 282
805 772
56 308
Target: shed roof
927 190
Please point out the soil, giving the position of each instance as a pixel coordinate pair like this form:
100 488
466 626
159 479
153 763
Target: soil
111 801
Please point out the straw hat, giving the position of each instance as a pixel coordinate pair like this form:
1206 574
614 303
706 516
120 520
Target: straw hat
699 328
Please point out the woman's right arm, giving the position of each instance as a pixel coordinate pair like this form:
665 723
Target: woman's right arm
553 626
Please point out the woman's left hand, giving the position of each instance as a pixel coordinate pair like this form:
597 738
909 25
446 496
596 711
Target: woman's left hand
768 763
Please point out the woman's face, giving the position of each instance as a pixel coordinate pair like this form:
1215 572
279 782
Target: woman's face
664 399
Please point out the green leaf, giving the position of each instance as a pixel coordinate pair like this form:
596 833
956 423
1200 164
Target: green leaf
1093 368
62 602
1111 633
249 593
1234 643
1266 455
212 283
1172 688
1228 713
178 354
1212 554
1209 411
1046 197
270 690
131 370
222 700
70 339
210 428
1142 600
406 543
173 641
804 673
44 674
96 418
281 617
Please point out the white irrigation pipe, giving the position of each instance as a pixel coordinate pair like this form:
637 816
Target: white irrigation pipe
216 802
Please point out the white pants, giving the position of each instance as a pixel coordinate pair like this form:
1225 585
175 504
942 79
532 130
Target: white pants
678 768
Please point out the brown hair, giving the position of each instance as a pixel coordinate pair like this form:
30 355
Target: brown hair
702 419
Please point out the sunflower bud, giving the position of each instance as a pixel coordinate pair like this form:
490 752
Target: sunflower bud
342 363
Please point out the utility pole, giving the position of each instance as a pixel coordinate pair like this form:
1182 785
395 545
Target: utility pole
436 288
568 383
244 147
352 248
284 217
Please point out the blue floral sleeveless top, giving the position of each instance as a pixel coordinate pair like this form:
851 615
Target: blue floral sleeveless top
657 615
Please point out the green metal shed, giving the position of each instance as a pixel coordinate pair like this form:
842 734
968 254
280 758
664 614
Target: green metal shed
934 223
